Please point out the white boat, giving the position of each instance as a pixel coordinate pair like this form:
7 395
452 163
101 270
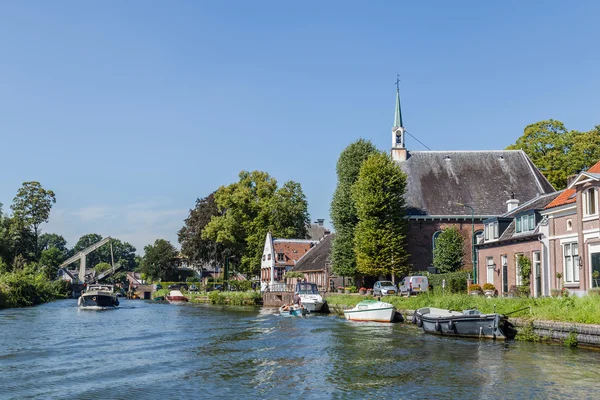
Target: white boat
175 296
292 311
371 310
309 296
97 296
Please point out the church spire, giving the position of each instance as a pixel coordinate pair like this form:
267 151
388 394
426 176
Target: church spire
398 111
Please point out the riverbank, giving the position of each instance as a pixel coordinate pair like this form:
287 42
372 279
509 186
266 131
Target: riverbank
571 320
249 298
25 288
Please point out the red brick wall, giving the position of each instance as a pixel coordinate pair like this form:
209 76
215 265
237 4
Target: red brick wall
420 244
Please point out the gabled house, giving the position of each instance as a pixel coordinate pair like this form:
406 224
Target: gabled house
316 264
460 189
280 256
517 232
574 234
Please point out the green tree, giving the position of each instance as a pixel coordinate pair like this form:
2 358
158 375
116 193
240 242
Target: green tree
101 267
32 206
449 250
50 259
380 236
159 261
123 252
249 209
193 246
558 152
49 240
343 211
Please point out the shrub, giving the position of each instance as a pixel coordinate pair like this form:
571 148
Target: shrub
193 279
456 282
474 287
489 286
449 250
594 291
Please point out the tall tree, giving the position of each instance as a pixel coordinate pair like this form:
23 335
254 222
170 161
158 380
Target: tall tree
378 194
123 252
449 250
250 208
558 152
193 246
49 240
343 211
32 206
50 260
159 260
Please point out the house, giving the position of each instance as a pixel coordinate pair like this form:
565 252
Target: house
460 189
280 256
573 234
316 264
518 232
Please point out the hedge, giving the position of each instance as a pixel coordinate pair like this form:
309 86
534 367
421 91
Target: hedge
456 282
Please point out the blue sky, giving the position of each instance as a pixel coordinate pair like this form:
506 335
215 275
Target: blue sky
130 110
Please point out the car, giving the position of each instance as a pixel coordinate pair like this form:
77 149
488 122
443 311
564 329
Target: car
193 288
175 286
414 284
158 286
384 288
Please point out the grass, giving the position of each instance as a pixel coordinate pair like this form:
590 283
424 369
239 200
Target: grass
216 297
564 309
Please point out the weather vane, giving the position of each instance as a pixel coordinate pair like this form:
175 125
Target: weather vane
397 82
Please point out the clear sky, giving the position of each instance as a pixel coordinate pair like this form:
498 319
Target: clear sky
130 110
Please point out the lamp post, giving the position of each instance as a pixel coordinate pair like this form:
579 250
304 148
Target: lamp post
472 239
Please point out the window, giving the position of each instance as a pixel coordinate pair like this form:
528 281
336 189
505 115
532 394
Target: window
519 280
491 231
590 206
490 269
525 223
264 257
569 225
280 257
268 256
571 265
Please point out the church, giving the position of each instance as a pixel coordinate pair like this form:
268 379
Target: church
461 189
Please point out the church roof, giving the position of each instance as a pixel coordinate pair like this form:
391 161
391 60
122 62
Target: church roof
317 258
484 180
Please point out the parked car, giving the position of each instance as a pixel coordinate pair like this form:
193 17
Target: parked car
384 288
413 285
175 286
193 288
216 287
158 286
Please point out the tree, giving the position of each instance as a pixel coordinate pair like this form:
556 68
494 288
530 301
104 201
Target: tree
159 260
558 152
343 212
193 246
449 250
50 260
123 252
32 206
49 240
380 236
101 267
249 209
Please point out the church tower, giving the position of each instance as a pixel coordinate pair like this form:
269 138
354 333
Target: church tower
399 152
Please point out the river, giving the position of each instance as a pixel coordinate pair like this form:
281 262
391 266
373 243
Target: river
160 351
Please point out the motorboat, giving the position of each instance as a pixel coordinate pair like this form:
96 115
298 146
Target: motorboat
98 296
371 310
467 323
292 311
175 296
310 297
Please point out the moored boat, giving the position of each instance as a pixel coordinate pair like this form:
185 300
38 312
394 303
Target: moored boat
292 311
175 296
371 310
468 323
310 297
98 296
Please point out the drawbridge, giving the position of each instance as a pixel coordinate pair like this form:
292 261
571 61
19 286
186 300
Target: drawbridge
81 257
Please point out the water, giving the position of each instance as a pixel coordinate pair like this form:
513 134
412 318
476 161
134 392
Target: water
161 351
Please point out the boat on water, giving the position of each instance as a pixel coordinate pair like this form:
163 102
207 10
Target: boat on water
292 311
310 297
467 323
371 310
98 296
175 296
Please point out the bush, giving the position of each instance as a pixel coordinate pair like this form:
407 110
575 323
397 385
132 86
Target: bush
474 287
449 250
456 282
594 291
489 286
193 279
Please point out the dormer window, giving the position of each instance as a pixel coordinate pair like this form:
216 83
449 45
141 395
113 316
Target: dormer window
525 223
491 231
590 202
280 257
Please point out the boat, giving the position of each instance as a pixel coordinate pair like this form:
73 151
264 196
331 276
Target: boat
310 297
371 310
292 311
98 296
467 323
175 296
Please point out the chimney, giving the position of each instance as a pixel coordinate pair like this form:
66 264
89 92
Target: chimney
512 203
320 221
570 179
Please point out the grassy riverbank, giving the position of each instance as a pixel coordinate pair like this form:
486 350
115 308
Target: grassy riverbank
25 288
564 309
217 297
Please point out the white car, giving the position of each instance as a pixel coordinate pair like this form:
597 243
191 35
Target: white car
384 288
413 285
